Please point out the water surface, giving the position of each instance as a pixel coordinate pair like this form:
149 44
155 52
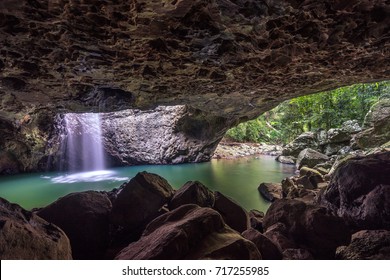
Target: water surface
237 178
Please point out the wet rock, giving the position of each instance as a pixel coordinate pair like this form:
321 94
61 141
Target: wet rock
190 232
309 226
270 191
310 158
192 193
303 141
24 235
359 191
367 245
84 217
256 219
268 250
233 214
286 159
139 200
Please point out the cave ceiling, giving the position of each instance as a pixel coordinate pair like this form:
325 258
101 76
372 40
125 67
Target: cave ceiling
229 58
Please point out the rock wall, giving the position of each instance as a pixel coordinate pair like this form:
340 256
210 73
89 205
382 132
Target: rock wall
160 136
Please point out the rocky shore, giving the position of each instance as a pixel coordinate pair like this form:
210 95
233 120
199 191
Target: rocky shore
231 150
341 216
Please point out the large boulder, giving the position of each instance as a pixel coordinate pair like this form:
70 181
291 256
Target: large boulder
310 158
233 214
303 141
359 191
268 250
84 217
270 191
376 126
189 232
256 219
139 200
309 226
24 235
192 193
367 245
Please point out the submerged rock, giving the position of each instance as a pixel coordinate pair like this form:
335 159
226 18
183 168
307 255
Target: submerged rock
192 193
286 159
139 200
359 191
367 245
189 232
233 214
24 235
84 217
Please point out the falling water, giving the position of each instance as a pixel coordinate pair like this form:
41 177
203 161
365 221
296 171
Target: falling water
82 146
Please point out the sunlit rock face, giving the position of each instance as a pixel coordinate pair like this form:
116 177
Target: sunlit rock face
157 136
231 58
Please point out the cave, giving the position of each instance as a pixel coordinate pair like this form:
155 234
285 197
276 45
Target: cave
88 85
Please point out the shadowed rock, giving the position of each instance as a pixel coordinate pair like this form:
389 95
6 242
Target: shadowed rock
190 232
24 235
367 245
359 192
84 217
268 250
310 226
139 200
233 214
192 193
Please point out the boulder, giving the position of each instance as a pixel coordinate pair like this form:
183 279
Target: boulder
24 235
139 200
367 245
233 214
310 158
351 126
270 191
279 235
268 250
84 217
376 127
303 141
309 226
256 219
286 159
192 193
338 135
359 191
189 232
333 148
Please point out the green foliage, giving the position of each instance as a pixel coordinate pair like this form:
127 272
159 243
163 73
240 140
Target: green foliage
323 110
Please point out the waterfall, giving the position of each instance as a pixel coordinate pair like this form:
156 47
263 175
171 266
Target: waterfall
82 146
